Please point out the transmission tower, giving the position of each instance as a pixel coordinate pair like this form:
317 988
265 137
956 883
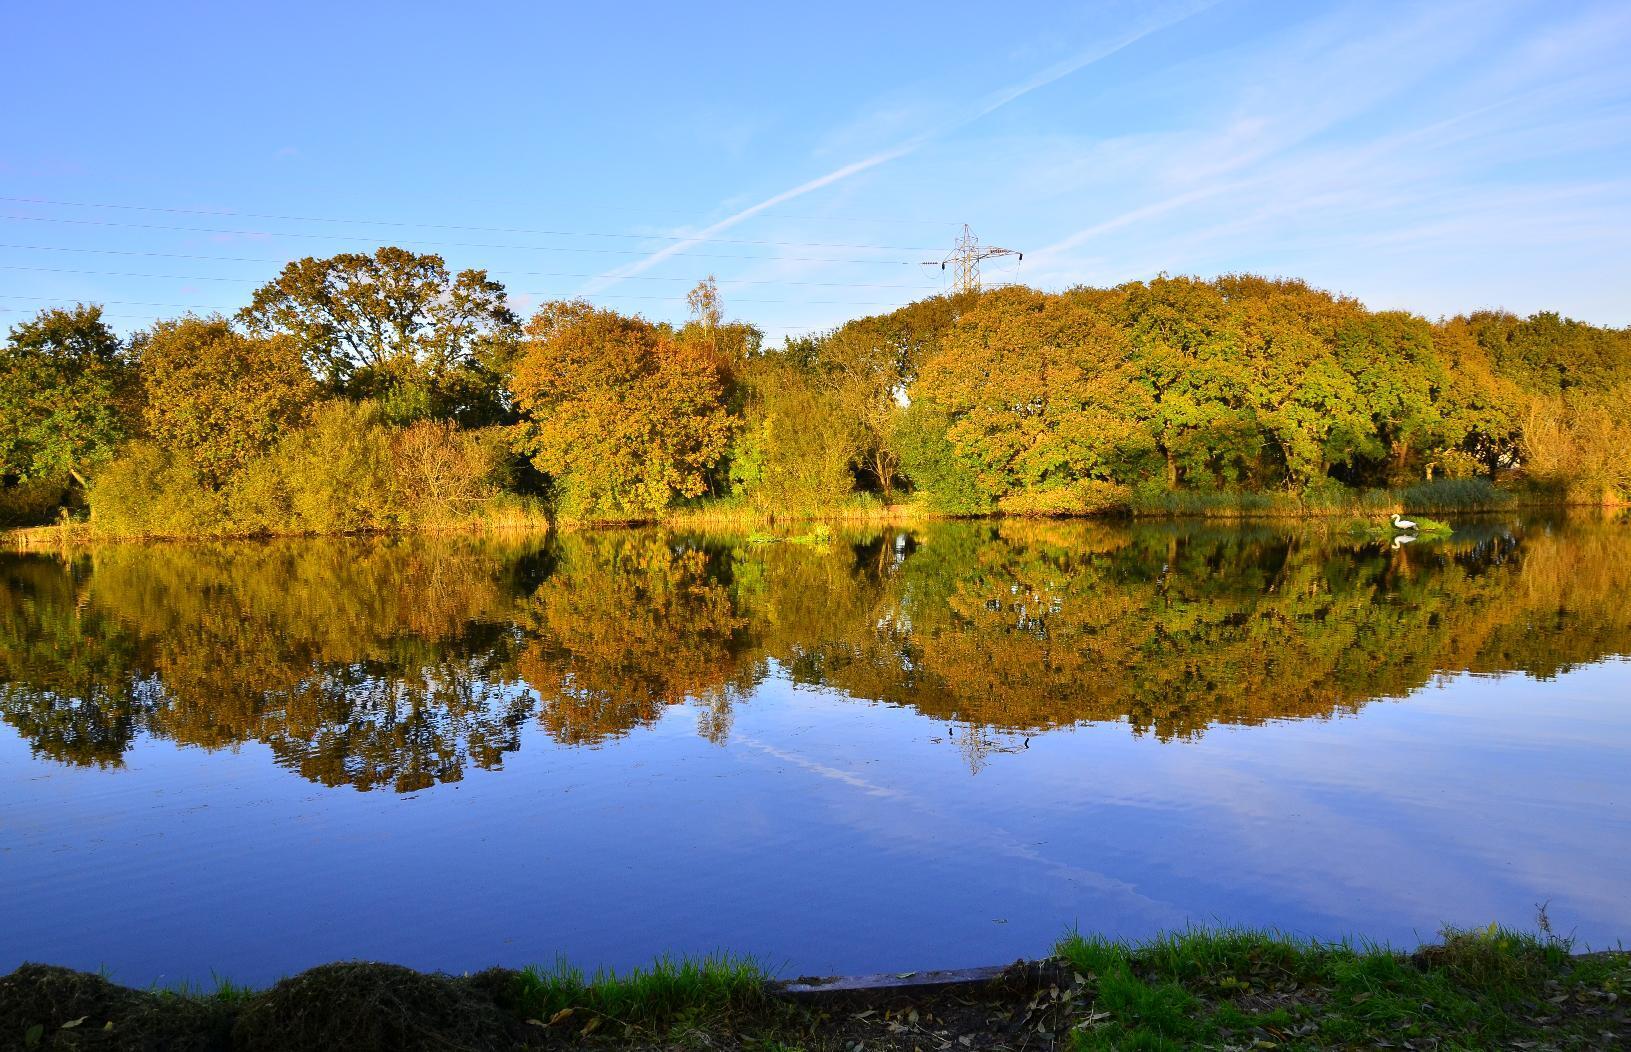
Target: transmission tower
966 257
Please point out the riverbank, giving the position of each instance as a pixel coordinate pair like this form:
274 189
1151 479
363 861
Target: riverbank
1441 497
1197 989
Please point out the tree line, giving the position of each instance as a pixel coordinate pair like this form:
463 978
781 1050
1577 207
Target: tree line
372 663
365 392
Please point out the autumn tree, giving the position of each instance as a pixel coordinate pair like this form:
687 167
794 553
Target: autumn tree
217 396
397 326
65 395
624 415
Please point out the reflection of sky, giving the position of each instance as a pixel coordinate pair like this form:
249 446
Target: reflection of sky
832 835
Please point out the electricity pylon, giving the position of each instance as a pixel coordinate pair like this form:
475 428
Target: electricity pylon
966 257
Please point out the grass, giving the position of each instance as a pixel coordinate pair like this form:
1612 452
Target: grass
673 993
1441 495
1198 988
727 512
510 513
1492 987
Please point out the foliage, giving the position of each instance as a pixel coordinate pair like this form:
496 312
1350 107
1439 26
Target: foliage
864 369
217 397
398 326
34 501
1239 396
793 452
626 416
346 471
1035 393
64 395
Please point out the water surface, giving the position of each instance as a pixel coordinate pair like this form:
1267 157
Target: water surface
895 749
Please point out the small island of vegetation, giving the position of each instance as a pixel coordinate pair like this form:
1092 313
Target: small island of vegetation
384 392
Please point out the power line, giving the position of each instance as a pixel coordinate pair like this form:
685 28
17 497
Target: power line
602 295
123 317
228 214
522 273
530 248
895 220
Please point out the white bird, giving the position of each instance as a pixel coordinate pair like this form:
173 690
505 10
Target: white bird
1402 524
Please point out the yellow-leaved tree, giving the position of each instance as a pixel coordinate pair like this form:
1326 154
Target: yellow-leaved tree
624 415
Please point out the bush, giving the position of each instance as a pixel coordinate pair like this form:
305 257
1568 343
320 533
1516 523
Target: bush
146 491
1086 497
946 482
33 502
346 472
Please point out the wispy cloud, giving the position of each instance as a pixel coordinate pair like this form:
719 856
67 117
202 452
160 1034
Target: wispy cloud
1328 188
981 108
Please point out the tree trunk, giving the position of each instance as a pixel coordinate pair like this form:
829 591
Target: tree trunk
885 471
1401 453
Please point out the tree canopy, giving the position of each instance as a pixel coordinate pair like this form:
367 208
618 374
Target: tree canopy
625 415
218 396
395 325
354 389
65 395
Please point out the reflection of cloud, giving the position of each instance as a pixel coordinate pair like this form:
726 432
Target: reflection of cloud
1387 818
915 820
821 769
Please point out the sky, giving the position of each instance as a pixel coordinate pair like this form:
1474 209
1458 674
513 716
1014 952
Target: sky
1433 157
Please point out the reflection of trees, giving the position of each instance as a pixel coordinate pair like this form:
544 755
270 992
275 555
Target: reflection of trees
1175 628
628 624
357 662
371 663
69 676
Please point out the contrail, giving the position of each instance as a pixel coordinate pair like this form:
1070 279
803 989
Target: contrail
992 102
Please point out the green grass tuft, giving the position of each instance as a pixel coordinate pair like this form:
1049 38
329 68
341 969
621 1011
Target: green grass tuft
673 991
1489 987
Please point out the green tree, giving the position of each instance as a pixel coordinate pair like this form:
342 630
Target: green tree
792 451
65 395
397 326
866 367
1036 394
217 396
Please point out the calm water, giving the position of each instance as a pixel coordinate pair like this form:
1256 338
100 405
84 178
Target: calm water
898 749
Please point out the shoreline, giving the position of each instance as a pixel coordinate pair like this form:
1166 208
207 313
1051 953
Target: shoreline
1197 988
82 534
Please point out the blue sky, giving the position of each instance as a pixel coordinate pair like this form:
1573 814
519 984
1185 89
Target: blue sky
1437 157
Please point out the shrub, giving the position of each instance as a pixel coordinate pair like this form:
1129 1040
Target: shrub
346 472
33 502
1454 494
1085 497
